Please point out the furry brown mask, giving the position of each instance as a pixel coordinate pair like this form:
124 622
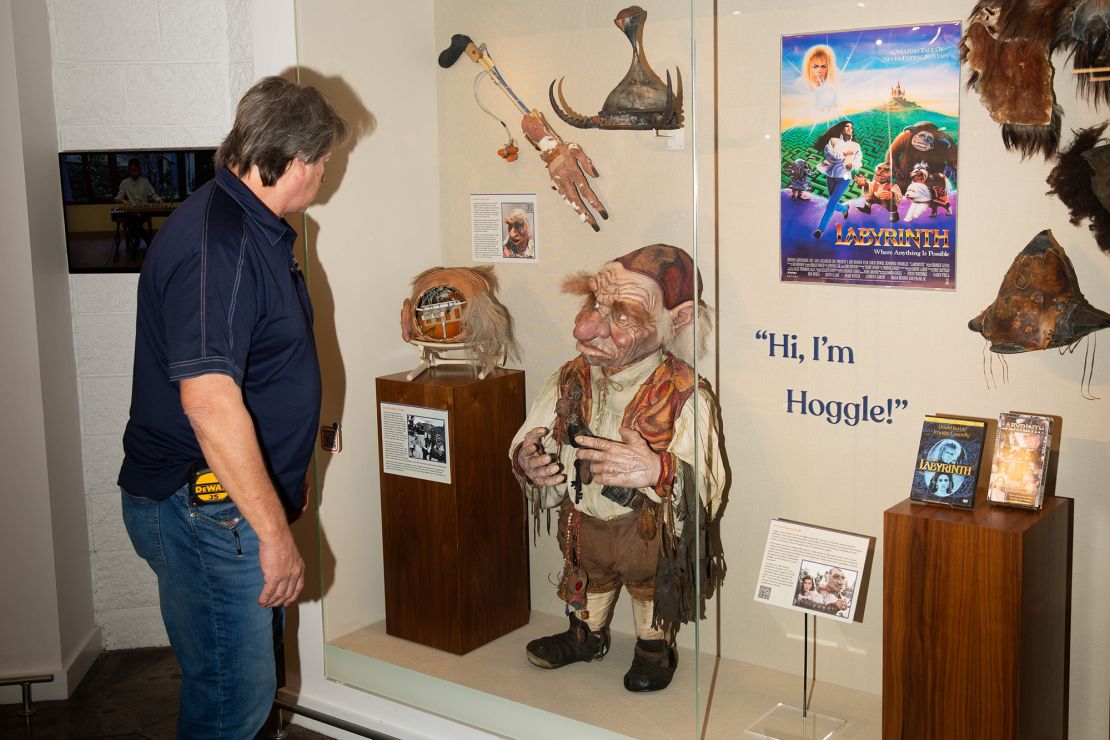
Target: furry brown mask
1013 76
459 304
1039 304
1081 178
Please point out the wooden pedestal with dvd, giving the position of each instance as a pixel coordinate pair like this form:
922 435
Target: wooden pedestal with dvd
976 621
456 555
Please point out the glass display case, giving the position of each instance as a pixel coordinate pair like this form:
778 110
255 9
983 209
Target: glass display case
371 523
822 379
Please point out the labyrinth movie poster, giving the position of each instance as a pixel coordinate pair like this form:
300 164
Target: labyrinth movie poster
869 179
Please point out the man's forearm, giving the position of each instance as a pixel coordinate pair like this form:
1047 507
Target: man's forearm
226 433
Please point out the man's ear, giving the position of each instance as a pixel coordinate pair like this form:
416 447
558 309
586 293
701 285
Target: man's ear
682 316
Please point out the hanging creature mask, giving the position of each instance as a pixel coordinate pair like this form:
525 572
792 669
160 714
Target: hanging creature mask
1012 73
1039 304
1081 179
1009 46
641 101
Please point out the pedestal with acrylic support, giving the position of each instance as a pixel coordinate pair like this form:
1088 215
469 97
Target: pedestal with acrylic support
788 722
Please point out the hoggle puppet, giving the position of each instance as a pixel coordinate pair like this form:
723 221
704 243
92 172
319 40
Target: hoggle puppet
565 161
619 440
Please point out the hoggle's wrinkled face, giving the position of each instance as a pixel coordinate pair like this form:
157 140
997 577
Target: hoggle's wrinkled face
922 141
519 234
882 173
616 326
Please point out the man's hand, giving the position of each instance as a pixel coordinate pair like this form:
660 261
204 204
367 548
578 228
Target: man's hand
565 164
626 464
282 571
539 466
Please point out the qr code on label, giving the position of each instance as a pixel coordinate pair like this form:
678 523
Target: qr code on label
765 593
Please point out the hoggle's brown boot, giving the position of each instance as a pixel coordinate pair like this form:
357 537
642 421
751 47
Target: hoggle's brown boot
574 645
652 666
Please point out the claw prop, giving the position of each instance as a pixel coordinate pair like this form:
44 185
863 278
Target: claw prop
641 101
567 164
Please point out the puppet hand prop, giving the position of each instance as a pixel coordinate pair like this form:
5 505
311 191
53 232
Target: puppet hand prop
538 465
565 164
626 464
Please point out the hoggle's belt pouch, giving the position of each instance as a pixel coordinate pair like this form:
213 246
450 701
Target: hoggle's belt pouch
204 488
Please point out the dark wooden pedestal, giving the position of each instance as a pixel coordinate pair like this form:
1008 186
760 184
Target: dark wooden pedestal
976 621
456 555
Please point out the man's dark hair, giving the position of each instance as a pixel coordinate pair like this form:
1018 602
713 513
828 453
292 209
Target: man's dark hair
134 162
276 122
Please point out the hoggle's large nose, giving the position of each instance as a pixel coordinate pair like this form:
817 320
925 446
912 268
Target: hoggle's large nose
592 326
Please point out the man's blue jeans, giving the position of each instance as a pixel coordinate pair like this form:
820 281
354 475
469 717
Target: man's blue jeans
209 579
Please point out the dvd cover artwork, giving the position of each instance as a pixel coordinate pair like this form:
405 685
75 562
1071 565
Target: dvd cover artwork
947 465
1020 463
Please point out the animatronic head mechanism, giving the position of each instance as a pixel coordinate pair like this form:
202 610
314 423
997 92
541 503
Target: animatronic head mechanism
641 101
1039 304
456 308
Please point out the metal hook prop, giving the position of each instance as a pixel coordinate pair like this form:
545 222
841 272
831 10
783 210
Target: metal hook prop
567 164
641 100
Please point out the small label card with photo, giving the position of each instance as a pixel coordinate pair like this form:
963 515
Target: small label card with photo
814 570
415 442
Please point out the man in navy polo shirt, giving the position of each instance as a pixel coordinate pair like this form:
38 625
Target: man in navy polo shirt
224 408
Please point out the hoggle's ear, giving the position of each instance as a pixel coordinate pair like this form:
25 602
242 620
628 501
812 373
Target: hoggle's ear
1039 304
683 315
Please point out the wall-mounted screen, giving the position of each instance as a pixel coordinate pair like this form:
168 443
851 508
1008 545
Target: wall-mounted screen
116 200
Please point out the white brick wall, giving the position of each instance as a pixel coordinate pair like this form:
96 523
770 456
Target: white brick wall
133 74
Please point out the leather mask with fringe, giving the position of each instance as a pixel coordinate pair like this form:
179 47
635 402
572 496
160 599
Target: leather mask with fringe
1009 46
459 305
1039 304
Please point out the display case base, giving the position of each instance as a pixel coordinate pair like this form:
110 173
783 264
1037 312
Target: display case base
496 689
786 722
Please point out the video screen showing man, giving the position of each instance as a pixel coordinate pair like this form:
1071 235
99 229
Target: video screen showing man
136 190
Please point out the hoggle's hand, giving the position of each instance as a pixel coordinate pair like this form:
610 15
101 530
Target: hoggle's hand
565 164
626 464
539 466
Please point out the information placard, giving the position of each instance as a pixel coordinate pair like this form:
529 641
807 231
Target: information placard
415 442
813 569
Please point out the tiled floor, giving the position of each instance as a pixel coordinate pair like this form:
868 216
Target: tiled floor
126 695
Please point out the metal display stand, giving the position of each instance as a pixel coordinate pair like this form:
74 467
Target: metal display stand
787 722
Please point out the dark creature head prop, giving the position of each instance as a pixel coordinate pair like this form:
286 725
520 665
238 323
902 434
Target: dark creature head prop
458 305
1081 178
641 100
1039 304
1009 46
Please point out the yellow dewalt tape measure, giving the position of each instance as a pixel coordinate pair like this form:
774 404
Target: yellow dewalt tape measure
206 488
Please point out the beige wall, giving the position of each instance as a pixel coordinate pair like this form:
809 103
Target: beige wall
47 613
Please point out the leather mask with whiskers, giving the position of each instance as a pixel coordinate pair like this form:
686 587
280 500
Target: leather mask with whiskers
1039 304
